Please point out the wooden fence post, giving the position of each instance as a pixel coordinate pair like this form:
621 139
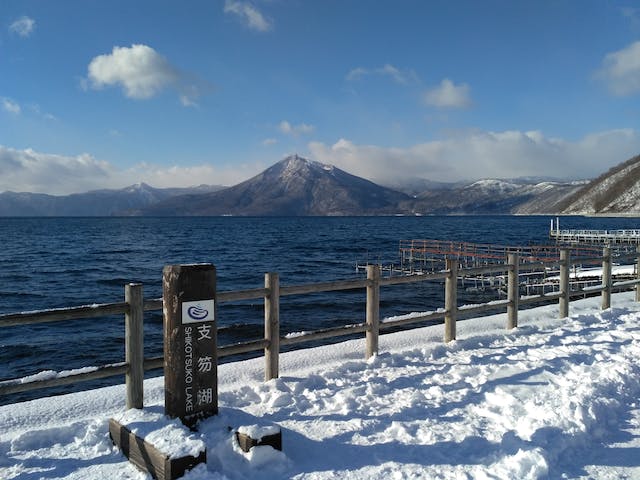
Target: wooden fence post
451 300
638 274
373 310
565 292
134 345
513 290
606 278
272 326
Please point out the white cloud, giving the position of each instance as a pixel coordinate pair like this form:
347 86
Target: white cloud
402 77
28 170
24 26
141 72
269 141
295 130
476 155
621 70
248 14
32 171
10 106
448 95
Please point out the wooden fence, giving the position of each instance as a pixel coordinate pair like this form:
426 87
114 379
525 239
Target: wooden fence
135 305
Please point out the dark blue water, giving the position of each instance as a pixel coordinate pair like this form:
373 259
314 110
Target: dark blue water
59 262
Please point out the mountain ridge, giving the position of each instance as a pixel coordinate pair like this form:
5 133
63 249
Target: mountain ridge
615 191
102 202
296 186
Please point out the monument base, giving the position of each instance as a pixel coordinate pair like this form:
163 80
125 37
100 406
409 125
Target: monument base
148 458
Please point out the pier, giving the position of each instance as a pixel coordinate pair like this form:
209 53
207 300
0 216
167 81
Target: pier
539 273
428 255
593 237
540 270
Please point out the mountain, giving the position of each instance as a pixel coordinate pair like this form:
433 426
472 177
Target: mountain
294 186
93 203
615 192
495 196
545 197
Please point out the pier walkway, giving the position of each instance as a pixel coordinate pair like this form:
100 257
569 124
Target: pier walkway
593 237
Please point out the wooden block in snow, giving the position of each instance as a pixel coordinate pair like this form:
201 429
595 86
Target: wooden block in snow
148 458
255 436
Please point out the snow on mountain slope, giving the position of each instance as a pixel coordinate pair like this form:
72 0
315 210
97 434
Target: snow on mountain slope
615 192
493 186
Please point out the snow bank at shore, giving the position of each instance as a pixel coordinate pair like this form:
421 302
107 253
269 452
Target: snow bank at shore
552 398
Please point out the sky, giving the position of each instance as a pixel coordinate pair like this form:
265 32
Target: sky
100 94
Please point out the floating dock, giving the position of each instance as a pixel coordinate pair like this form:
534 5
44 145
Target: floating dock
427 255
593 237
423 256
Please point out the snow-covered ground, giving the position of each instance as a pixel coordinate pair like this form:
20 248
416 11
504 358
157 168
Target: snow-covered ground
551 399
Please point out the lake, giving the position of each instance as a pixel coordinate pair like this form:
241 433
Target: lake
60 262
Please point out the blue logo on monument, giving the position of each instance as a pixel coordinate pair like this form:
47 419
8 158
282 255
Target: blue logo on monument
197 312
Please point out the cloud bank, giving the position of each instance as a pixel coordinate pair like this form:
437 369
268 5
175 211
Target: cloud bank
31 171
141 72
466 156
477 155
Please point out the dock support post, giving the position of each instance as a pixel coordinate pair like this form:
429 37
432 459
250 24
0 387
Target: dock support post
606 278
565 291
451 300
373 310
513 290
134 345
272 326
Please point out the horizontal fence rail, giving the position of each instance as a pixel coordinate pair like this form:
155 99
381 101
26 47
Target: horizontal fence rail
135 305
63 314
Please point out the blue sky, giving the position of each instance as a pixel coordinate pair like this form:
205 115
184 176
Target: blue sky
105 94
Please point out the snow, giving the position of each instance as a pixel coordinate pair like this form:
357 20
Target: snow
596 272
48 375
169 436
554 398
296 334
258 432
494 185
411 315
628 201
